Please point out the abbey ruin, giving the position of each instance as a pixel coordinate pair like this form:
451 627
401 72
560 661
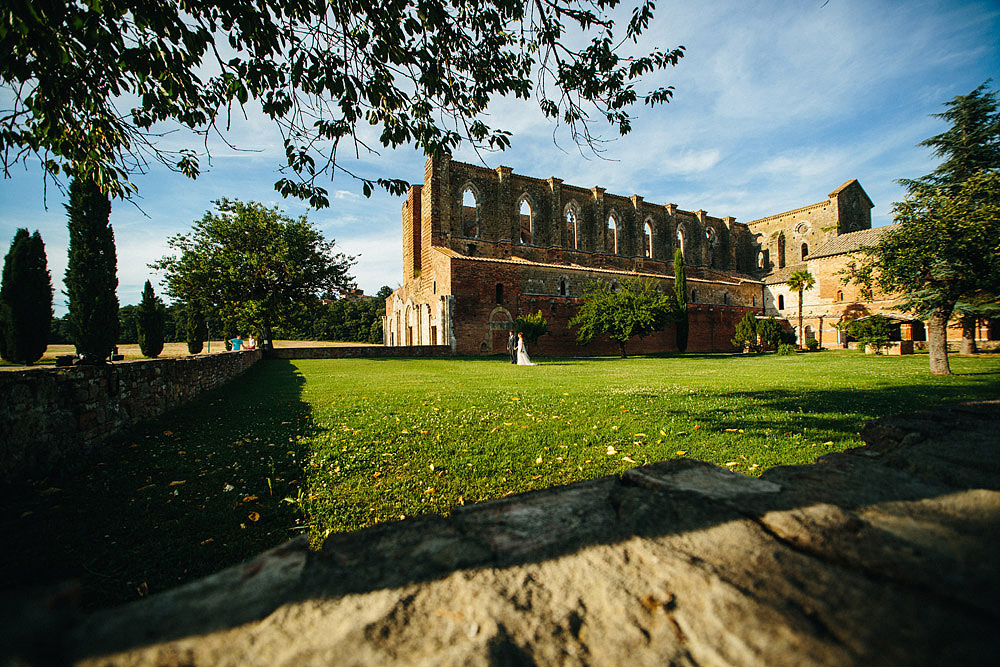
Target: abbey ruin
482 246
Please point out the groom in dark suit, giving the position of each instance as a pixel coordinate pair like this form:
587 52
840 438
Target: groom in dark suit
512 347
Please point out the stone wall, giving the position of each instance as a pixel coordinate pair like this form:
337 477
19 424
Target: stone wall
48 416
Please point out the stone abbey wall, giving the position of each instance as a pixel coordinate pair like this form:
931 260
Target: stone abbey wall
48 416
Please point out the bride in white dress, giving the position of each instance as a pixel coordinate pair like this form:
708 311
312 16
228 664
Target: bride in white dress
522 354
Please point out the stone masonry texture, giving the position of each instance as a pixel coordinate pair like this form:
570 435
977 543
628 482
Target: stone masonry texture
884 554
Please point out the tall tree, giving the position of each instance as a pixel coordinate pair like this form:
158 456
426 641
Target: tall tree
25 300
150 322
800 281
253 263
197 328
945 246
971 310
90 83
680 294
532 326
636 308
91 272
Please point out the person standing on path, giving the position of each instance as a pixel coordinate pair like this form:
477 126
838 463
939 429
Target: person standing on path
512 347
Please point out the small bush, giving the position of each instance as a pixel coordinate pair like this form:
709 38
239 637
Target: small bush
812 344
785 348
788 337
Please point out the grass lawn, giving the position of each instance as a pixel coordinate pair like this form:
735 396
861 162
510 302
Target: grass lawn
331 445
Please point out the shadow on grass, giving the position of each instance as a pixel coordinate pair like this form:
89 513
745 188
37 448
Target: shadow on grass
199 489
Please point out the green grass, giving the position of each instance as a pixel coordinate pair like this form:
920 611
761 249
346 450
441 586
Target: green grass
331 445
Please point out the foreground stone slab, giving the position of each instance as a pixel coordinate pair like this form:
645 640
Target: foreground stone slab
886 554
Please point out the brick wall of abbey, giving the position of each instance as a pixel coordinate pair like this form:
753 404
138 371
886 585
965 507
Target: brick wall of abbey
483 246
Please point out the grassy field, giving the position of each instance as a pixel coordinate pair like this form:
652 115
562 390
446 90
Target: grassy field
131 351
327 445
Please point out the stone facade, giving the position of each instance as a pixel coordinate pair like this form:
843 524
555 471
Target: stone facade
482 247
51 415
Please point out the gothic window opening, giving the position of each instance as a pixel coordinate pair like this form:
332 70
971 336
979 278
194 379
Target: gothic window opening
571 229
526 217
499 292
470 213
805 250
612 235
694 296
562 287
781 302
680 242
840 295
647 240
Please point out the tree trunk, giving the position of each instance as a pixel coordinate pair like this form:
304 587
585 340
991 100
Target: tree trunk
937 341
968 335
268 343
801 337
621 344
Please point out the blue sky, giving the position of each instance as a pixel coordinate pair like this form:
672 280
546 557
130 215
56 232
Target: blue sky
776 104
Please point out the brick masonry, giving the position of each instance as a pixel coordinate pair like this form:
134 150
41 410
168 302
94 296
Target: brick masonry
49 416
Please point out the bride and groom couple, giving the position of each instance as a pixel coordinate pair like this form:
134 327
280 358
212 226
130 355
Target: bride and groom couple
518 354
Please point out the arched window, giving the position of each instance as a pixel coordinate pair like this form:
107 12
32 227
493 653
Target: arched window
781 302
805 250
725 298
571 228
612 235
499 292
765 259
647 239
562 287
680 241
694 296
526 216
840 295
470 213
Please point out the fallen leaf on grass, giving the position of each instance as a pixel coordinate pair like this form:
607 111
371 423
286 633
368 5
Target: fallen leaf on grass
696 427
681 452
732 463
253 516
625 458
177 482
209 540
168 433
611 451
247 499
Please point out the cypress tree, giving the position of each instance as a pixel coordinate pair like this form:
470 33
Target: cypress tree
25 300
680 293
149 322
91 273
197 328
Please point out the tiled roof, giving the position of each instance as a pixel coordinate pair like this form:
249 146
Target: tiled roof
850 242
782 275
448 252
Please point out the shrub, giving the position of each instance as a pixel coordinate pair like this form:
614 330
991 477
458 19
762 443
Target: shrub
149 321
532 326
785 348
196 328
787 337
745 336
769 334
812 344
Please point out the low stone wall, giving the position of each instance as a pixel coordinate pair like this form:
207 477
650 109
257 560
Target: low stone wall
361 351
50 415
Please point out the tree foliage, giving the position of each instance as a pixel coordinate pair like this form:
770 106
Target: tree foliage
91 272
680 295
253 263
150 321
95 84
874 331
25 300
636 308
532 326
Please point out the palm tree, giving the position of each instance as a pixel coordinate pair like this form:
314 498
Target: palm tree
800 281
